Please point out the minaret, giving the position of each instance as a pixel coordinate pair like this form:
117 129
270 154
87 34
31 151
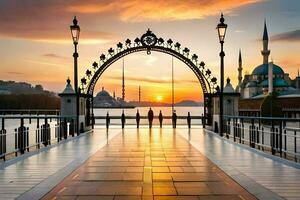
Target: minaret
123 82
270 77
265 52
139 93
240 69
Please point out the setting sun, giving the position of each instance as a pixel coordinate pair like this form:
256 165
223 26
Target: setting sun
159 98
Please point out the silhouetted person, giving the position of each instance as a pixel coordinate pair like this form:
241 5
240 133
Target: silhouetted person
174 119
160 118
123 119
189 120
137 118
107 120
150 117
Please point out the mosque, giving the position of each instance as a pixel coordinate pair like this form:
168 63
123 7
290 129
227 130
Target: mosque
256 84
104 100
266 78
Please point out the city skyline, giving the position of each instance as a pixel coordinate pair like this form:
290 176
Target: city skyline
36 46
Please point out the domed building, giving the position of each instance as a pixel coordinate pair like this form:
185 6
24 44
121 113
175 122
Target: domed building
256 85
104 100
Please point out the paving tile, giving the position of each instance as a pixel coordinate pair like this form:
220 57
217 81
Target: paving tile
176 198
176 169
95 197
147 167
164 191
128 198
221 197
160 169
193 190
162 177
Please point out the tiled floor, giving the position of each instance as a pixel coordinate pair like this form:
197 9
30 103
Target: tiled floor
32 176
143 164
265 176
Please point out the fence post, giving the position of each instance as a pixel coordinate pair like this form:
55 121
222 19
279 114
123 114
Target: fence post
243 131
65 128
72 127
21 142
285 142
276 139
234 128
272 137
251 133
38 136
228 128
257 137
295 144
3 139
280 138
16 142
262 138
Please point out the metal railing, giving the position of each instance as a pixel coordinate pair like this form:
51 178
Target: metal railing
29 111
279 136
21 133
131 120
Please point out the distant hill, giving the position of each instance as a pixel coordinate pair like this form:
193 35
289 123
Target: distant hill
12 87
29 101
189 103
21 95
184 103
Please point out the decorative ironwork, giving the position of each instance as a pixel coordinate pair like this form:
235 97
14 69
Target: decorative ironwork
149 39
150 42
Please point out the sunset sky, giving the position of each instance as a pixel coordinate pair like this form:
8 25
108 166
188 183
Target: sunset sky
36 46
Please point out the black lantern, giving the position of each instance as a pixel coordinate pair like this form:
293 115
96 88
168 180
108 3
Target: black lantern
75 30
222 29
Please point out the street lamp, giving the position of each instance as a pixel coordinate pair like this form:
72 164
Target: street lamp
75 32
221 33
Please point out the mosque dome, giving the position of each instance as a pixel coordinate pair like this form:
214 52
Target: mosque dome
277 82
103 93
263 70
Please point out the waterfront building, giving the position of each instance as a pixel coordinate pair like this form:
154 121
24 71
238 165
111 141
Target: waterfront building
256 84
265 79
104 100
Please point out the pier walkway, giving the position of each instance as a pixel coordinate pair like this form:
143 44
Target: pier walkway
139 164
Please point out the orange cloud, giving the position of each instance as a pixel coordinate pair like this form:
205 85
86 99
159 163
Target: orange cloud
151 80
159 10
49 35
44 21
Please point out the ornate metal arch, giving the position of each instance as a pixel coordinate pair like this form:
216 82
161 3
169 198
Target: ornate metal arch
149 42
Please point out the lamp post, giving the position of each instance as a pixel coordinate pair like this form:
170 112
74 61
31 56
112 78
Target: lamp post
75 32
221 33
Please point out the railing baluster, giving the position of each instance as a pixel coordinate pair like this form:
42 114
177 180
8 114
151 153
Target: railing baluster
38 133
272 132
262 138
295 144
257 137
243 131
280 138
2 139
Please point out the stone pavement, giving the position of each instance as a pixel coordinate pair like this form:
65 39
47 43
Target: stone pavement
33 174
143 164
